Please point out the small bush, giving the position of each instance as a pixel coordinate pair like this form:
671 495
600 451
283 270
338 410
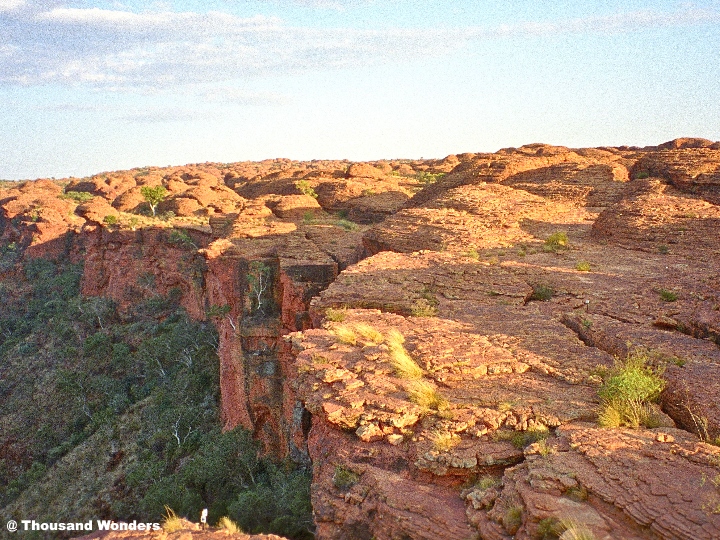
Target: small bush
556 242
181 238
78 196
423 308
335 315
550 528
512 519
542 292
521 439
216 311
577 493
426 178
344 478
663 249
426 305
627 391
423 393
668 296
305 188
582 266
473 254
642 175
110 220
486 482
347 224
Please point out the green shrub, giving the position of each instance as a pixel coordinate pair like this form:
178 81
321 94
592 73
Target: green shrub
180 237
550 528
641 175
427 178
663 249
668 296
426 305
627 392
521 439
556 242
305 188
347 224
542 292
148 375
344 478
582 266
486 482
78 196
217 311
110 220
512 519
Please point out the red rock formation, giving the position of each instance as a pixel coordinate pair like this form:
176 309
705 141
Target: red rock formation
510 332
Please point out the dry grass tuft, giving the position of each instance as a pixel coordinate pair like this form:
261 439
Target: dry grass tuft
228 525
575 531
335 315
171 522
344 334
444 440
404 365
368 333
425 394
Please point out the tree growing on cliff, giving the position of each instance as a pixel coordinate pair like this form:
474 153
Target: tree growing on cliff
258 277
154 195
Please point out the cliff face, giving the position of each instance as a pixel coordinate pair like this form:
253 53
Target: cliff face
438 358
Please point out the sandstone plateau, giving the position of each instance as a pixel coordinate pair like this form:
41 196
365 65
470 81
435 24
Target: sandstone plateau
308 270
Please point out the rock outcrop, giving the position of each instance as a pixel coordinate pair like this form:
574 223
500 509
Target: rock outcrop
430 336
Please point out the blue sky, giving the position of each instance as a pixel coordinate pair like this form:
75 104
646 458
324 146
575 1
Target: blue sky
91 86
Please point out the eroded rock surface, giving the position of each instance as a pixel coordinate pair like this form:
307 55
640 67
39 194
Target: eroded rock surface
511 281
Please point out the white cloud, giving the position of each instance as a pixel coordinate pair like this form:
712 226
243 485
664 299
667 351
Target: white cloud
116 49
10 5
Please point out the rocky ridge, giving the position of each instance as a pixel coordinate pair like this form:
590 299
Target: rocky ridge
318 275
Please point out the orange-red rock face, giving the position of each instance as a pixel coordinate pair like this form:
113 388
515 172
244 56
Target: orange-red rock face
495 436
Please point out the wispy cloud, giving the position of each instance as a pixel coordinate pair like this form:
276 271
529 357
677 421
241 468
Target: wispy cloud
10 5
230 95
164 115
116 49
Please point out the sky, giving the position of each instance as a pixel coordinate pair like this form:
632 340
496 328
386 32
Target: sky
91 86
